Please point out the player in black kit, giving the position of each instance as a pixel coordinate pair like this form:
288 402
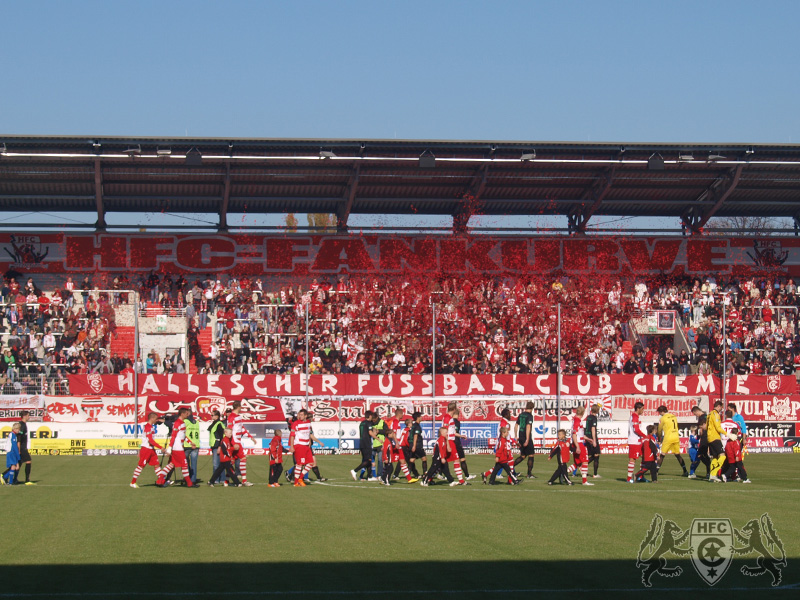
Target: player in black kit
24 454
524 432
592 439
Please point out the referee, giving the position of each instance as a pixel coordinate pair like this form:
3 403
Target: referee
24 454
366 434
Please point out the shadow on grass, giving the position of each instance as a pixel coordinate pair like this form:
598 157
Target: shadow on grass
362 577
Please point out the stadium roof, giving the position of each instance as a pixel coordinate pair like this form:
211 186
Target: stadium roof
459 178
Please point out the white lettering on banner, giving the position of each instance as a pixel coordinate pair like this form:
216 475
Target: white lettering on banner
705 385
769 408
544 389
125 383
428 381
211 384
304 384
496 387
363 380
238 388
283 382
329 384
150 385
408 387
741 388
385 389
257 380
450 385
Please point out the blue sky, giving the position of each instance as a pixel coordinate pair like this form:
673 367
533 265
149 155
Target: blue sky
598 71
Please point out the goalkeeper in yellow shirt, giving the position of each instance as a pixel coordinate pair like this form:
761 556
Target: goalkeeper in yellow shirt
670 438
715 433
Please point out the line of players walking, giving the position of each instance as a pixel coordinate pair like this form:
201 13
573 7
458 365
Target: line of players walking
393 446
718 441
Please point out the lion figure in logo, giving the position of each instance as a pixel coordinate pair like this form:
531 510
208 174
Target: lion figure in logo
663 537
759 537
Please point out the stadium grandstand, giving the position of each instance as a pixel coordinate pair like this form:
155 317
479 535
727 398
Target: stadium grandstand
255 299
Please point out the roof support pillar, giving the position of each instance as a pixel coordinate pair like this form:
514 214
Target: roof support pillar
719 191
226 198
579 215
98 196
471 199
349 196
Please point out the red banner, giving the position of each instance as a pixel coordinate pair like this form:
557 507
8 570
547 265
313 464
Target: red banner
768 408
244 386
298 256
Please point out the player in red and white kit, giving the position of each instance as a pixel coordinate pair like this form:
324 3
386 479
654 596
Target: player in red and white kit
635 438
504 459
505 421
578 445
300 440
147 452
236 425
175 447
392 453
448 421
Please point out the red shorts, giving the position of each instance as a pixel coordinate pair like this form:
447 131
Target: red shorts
178 458
237 454
302 455
634 451
580 454
147 456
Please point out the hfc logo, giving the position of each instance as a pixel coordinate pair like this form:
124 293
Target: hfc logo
711 544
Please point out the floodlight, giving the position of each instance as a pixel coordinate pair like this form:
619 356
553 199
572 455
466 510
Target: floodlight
715 156
528 156
133 150
326 154
194 158
655 162
163 151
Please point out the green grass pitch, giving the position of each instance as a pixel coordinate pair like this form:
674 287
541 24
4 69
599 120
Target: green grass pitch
82 532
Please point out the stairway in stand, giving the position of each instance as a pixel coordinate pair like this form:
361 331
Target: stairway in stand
204 339
124 342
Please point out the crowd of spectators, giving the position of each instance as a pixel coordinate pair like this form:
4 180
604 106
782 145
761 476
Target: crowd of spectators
53 333
385 325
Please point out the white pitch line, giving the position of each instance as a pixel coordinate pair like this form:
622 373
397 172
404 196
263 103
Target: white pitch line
430 592
554 489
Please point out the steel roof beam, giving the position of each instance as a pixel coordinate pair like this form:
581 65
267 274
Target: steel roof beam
579 215
719 191
348 198
226 198
470 200
98 196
